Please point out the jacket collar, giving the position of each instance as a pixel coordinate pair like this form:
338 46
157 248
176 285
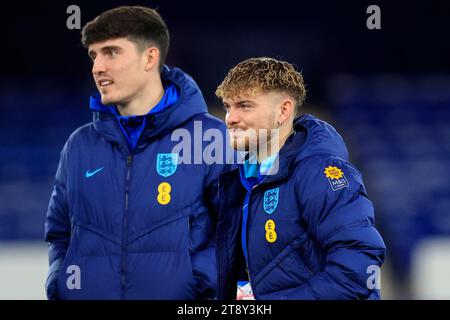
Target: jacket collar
312 136
189 104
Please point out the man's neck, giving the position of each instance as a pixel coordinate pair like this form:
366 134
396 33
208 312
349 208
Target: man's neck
275 143
144 101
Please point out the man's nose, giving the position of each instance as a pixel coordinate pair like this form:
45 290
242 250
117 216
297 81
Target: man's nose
98 66
232 117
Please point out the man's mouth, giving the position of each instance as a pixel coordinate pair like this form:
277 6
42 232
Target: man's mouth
105 83
236 131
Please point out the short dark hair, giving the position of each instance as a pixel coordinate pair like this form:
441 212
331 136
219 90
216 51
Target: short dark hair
142 25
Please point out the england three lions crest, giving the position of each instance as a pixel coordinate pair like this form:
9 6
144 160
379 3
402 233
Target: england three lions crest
271 200
166 164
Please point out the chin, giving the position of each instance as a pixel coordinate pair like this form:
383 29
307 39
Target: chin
109 100
234 145
239 144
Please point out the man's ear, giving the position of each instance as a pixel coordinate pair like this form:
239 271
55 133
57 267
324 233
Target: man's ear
286 111
151 58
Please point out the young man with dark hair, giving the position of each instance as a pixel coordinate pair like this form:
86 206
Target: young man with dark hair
126 219
300 229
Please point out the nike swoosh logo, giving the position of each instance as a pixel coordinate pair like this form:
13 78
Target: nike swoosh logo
90 174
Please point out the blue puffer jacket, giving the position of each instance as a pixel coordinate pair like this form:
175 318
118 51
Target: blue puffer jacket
135 225
310 227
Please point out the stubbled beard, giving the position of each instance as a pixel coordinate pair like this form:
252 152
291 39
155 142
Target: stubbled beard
259 140
246 145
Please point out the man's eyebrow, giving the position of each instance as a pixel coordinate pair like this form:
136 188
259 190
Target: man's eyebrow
105 49
244 102
109 48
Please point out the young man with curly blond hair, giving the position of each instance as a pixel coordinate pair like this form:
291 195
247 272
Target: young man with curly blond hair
295 219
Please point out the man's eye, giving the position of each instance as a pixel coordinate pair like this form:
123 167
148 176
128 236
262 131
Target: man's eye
112 53
226 108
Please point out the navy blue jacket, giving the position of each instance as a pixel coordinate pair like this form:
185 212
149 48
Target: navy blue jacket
137 225
310 227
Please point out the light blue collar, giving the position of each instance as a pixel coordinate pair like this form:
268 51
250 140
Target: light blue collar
254 169
267 164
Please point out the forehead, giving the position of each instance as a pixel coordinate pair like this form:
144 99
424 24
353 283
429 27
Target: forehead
252 96
118 42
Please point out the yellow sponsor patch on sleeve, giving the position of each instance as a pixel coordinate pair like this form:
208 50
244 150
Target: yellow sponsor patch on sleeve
336 178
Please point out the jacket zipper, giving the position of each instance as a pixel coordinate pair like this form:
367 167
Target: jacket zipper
247 237
248 228
124 227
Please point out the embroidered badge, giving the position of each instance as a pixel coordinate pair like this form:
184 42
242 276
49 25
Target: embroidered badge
164 189
270 202
166 164
336 178
271 234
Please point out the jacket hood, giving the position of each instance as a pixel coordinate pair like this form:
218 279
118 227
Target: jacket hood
321 138
189 104
312 137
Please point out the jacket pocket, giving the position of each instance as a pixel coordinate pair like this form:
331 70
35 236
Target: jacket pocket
301 256
182 214
61 282
288 262
89 270
285 253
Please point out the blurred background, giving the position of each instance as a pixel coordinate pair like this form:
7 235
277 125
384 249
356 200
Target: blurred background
386 91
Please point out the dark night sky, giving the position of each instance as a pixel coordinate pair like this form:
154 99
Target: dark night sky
321 37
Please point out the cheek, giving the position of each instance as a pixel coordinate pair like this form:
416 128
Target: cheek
131 78
268 119
258 120
273 121
140 76
129 69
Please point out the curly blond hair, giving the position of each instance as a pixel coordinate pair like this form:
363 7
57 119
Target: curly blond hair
260 75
